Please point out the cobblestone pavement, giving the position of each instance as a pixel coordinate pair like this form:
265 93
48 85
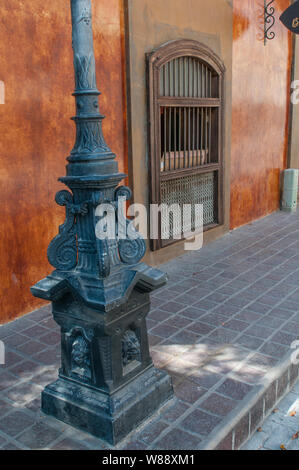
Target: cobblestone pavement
280 431
227 316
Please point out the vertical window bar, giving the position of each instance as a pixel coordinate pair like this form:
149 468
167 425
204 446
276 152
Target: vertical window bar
180 136
193 136
189 135
207 84
210 134
179 76
197 139
174 77
194 78
202 84
169 78
165 137
206 134
201 137
184 76
210 84
174 137
169 138
184 119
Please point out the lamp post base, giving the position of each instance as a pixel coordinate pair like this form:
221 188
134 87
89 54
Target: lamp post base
109 417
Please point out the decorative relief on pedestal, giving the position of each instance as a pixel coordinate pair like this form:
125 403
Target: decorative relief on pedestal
62 251
130 347
80 356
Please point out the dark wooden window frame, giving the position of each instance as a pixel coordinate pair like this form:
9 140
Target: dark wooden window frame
156 60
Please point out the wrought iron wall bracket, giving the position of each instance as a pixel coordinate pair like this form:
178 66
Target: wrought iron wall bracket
269 20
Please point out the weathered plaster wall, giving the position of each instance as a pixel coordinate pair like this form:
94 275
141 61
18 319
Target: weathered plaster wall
150 24
261 97
36 133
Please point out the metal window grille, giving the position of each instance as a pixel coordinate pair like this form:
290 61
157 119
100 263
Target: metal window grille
186 112
193 189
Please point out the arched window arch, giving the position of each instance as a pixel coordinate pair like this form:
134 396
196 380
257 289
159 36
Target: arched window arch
186 109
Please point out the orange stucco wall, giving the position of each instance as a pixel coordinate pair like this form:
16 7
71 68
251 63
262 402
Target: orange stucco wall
260 100
36 134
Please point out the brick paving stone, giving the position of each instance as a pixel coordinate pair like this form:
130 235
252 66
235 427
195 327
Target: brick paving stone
154 340
51 338
259 307
69 444
268 321
205 378
164 330
280 313
248 374
241 431
158 315
250 342
223 335
234 389
274 349
291 327
205 304
175 411
15 340
262 361
35 331
179 322
135 445
25 369
218 404
151 432
177 439
185 337
7 380
284 338
23 392
200 422
173 307
32 347
214 319
5 331
49 357
39 436
260 331
192 313
15 422
247 316
11 358
200 328
189 392
236 325
5 408
11 446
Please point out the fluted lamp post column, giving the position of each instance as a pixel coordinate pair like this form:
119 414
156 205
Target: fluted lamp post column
107 383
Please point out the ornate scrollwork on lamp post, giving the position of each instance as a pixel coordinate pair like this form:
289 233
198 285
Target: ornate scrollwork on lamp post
107 383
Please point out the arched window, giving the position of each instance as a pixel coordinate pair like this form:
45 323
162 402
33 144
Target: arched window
186 81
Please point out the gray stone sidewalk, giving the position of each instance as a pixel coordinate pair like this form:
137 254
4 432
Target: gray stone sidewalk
227 317
280 431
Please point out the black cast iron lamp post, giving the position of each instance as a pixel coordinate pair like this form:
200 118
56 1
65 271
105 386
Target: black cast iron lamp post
99 290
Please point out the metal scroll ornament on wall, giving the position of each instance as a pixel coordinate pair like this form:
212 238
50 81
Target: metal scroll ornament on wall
269 20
